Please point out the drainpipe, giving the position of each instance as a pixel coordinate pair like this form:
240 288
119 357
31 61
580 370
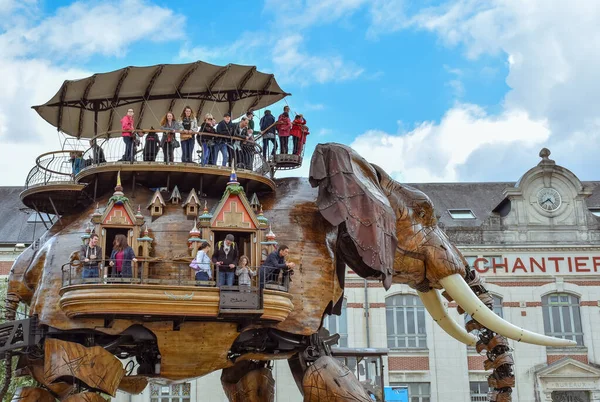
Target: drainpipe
367 314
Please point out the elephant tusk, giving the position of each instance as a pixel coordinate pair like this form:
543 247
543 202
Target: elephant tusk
464 296
433 303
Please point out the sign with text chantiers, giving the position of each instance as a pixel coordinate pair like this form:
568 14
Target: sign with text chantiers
551 264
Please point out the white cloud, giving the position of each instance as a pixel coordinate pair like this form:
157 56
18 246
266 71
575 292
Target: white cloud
108 28
314 106
30 48
437 152
302 14
295 65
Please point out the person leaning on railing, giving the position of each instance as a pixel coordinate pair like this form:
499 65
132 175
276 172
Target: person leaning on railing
274 264
201 263
225 127
207 141
151 147
122 257
91 255
189 126
240 133
267 127
225 258
168 142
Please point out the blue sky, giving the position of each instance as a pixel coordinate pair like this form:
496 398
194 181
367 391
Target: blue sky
431 90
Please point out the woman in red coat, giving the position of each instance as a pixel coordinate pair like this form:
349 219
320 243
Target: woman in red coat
284 124
297 126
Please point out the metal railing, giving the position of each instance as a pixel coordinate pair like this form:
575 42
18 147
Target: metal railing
53 167
180 273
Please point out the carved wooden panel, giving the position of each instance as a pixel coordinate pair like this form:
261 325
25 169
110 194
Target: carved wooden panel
233 214
133 384
241 300
118 215
32 394
85 397
94 366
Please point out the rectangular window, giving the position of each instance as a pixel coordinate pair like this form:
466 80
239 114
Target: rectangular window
461 214
170 393
595 211
405 320
417 391
479 391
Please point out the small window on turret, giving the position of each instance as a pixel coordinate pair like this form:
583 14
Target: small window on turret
157 210
461 214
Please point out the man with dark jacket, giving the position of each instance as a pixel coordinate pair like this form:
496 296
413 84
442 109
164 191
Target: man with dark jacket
90 255
267 128
225 258
274 263
224 128
243 144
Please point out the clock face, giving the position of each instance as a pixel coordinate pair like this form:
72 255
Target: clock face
549 199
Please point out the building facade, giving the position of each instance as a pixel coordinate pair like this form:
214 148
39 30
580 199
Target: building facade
536 242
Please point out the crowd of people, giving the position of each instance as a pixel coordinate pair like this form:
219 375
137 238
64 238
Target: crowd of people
228 265
234 142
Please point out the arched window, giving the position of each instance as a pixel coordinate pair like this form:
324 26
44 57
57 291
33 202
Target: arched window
561 316
405 319
338 324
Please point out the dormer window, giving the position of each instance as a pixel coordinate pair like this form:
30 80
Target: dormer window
595 211
461 214
157 210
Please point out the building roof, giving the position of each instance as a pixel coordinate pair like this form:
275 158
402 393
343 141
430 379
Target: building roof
480 198
14 227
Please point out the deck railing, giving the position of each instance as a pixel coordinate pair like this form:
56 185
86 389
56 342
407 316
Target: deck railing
180 274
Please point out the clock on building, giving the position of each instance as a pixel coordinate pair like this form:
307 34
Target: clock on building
549 199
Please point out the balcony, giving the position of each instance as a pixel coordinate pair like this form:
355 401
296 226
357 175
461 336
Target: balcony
166 289
63 180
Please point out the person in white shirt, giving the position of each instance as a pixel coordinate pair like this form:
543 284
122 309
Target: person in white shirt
244 274
201 264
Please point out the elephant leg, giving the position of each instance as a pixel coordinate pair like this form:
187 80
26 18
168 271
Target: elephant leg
499 358
248 381
327 380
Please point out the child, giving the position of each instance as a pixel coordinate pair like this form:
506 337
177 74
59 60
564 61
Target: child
201 264
244 272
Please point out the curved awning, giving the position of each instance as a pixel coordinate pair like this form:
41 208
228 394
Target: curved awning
82 108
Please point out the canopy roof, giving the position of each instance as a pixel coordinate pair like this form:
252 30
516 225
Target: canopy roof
94 105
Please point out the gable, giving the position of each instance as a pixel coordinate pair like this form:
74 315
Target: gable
118 214
569 368
233 212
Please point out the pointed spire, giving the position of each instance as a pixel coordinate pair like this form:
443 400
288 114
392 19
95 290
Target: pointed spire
232 177
118 187
270 236
118 197
195 230
139 212
262 219
175 196
254 203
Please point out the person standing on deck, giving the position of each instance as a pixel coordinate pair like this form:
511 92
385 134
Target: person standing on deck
128 135
267 127
297 126
225 258
189 126
224 128
284 125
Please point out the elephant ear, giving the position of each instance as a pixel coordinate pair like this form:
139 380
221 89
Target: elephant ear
351 199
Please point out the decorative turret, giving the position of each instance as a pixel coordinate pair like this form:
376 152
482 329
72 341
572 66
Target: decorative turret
269 245
118 197
270 236
254 203
233 186
205 217
192 203
88 232
195 240
97 215
139 218
262 219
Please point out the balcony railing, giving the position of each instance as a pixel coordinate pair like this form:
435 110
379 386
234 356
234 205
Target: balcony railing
51 168
179 274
